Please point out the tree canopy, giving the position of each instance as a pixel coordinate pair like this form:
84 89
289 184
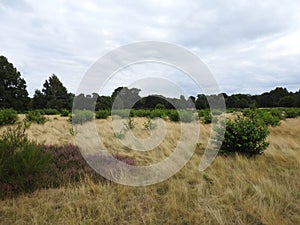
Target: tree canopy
53 95
13 93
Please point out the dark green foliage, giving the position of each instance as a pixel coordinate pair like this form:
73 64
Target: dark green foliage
160 106
246 136
205 116
64 112
173 115
292 113
51 111
54 95
82 116
35 116
22 162
263 116
102 114
279 113
13 93
159 113
8 116
287 101
140 112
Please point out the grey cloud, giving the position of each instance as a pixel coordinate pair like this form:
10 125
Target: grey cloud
235 38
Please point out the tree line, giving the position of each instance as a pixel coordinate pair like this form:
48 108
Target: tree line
54 95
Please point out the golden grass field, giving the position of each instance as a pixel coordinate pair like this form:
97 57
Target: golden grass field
233 190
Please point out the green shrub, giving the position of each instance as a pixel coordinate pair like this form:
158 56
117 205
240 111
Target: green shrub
158 113
291 113
140 112
245 135
173 115
81 116
35 116
8 116
207 117
279 113
102 114
64 112
262 116
21 161
51 111
160 106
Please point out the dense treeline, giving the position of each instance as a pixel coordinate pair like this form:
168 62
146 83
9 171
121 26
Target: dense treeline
54 95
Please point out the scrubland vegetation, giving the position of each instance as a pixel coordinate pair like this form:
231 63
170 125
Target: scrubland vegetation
45 180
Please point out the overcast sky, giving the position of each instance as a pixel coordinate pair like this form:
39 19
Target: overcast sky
249 46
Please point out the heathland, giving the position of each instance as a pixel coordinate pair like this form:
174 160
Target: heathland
235 189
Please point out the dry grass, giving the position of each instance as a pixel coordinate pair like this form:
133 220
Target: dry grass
233 190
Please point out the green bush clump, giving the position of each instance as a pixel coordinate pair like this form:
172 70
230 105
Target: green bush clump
81 116
8 116
291 113
262 116
51 111
22 162
244 135
158 113
102 114
140 112
173 115
207 117
279 113
64 113
35 116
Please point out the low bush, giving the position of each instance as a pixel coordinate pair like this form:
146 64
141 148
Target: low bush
35 116
81 116
173 115
102 114
8 116
279 113
207 118
158 113
292 113
64 113
51 111
22 162
262 116
140 112
244 135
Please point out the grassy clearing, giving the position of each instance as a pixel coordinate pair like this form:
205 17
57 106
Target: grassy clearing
233 190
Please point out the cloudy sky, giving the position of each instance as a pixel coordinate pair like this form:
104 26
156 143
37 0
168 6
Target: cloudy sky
249 46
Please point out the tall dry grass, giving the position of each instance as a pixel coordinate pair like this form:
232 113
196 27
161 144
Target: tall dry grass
233 190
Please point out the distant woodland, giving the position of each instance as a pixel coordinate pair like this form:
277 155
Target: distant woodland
54 95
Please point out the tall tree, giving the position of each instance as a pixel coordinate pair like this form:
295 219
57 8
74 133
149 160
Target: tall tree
13 93
54 95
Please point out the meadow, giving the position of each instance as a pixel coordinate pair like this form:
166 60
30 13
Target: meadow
235 189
